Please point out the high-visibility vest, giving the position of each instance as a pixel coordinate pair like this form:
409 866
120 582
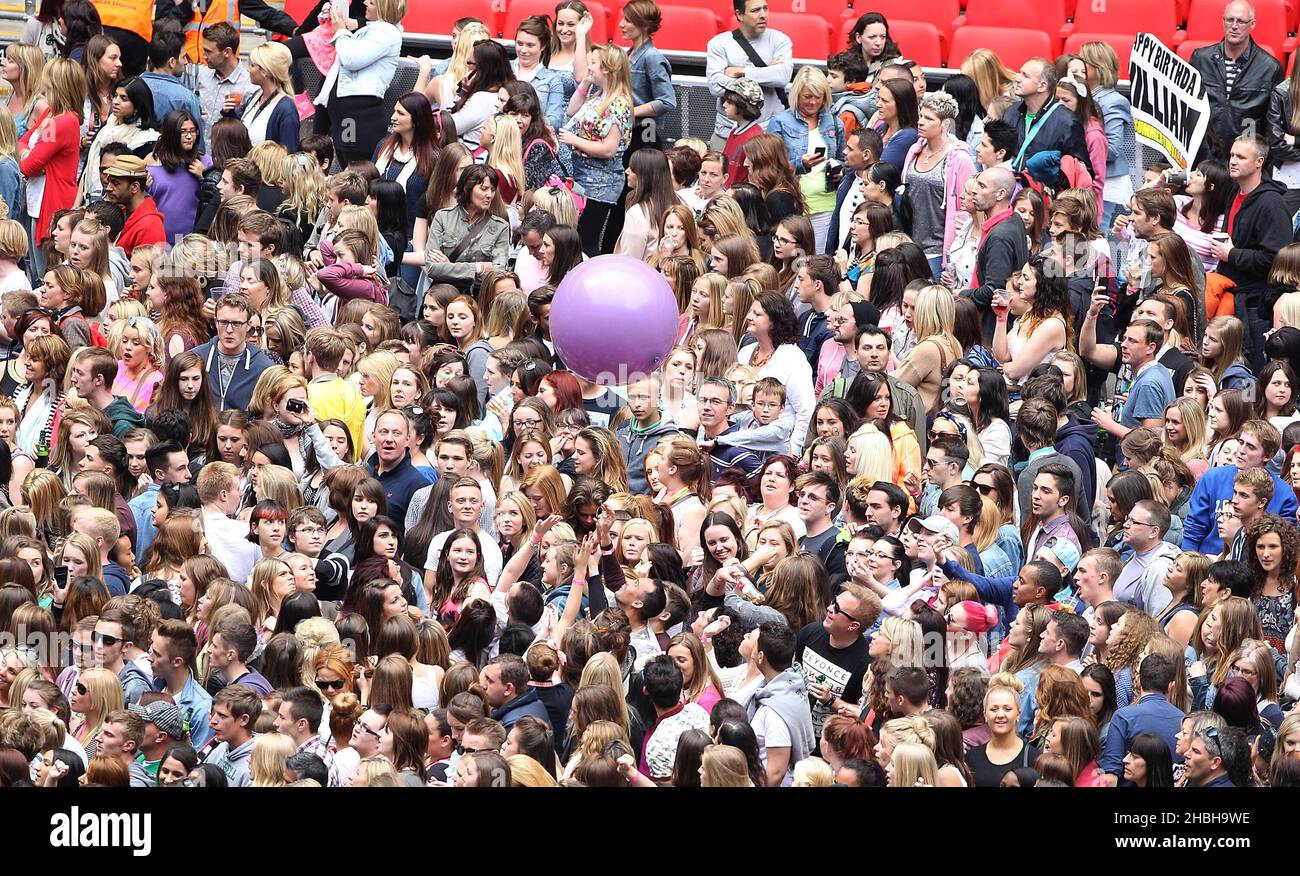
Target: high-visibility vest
133 15
218 10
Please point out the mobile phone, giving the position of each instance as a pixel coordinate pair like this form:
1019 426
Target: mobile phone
820 150
295 405
61 577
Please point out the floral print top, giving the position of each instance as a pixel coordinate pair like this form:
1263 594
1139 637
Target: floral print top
601 178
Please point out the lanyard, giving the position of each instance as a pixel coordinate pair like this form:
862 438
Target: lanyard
1033 130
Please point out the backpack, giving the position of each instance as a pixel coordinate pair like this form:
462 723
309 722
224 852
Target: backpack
97 338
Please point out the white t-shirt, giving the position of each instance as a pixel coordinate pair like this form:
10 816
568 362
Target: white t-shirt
771 731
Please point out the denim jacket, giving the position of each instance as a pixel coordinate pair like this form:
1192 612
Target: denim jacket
1117 115
367 60
794 131
652 79
554 88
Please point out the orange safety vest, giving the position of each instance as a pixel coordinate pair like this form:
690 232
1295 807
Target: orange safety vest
133 15
218 10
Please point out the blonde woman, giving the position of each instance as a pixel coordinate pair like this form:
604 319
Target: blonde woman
724 766
441 89
50 152
43 491
304 191
992 78
814 142
21 68
271 582
935 347
505 156
96 693
1184 430
912 765
595 137
269 157
1222 351
138 346
270 113
270 750
558 201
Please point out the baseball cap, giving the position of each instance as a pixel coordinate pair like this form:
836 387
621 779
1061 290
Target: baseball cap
936 524
1065 551
746 89
163 715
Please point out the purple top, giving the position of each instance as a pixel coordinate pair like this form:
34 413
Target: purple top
177 194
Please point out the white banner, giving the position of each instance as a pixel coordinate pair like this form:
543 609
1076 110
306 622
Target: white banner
1170 109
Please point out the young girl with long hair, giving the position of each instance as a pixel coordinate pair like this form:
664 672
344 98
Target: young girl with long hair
177 175
597 133
650 196
1222 351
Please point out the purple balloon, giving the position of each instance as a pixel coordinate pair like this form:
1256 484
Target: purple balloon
613 319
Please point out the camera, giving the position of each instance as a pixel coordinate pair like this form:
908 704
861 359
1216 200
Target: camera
295 405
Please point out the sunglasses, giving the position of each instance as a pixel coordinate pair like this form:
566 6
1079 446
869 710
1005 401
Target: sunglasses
81 689
834 608
103 639
984 489
365 728
338 684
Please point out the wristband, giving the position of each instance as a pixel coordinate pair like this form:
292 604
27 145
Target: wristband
605 551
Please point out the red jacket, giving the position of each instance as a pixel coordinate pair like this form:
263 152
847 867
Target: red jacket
143 226
56 155
348 280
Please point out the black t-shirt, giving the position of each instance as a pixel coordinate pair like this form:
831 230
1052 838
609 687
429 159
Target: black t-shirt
988 774
840 669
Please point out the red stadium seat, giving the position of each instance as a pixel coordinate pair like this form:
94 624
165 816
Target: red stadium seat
810 34
1045 15
1156 17
1012 45
439 17
943 14
1122 43
918 41
518 10
722 8
1205 22
686 29
831 10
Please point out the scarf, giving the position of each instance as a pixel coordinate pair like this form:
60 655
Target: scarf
34 430
286 430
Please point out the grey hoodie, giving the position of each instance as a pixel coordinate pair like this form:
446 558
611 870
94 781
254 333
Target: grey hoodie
234 762
637 446
787 696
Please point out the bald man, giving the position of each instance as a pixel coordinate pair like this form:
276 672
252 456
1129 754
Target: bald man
1004 246
1239 77
1041 119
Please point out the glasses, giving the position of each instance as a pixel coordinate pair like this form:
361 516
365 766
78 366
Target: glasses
256 331
337 684
311 530
782 239
365 728
229 325
834 608
105 640
527 424
811 496
1237 22
931 463
880 555
1131 522
80 689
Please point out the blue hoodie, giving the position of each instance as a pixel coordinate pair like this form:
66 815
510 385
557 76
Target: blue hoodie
1213 491
1077 440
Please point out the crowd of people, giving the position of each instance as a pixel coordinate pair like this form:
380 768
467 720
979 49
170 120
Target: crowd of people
974 461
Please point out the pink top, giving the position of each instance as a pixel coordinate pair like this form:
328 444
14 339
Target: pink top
709 699
138 392
1095 137
829 361
1089 777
